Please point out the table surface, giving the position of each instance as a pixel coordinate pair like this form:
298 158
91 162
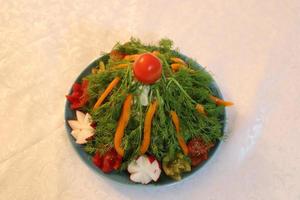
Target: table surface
251 47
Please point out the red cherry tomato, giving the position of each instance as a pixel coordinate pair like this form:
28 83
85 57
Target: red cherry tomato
147 68
98 160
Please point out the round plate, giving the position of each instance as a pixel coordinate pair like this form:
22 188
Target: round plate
123 177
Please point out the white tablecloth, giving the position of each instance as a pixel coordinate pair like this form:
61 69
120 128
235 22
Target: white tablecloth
251 47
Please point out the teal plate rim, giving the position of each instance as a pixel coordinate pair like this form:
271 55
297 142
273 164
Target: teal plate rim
123 177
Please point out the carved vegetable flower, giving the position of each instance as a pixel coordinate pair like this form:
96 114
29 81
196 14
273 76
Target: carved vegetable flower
144 170
81 128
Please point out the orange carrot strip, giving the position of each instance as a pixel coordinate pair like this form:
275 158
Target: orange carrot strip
180 139
122 123
176 66
219 101
156 53
120 66
132 57
106 92
175 120
147 127
177 60
200 108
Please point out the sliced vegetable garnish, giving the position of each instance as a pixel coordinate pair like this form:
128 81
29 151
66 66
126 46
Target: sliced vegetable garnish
79 96
122 123
144 99
107 162
143 170
198 150
120 66
99 69
180 139
106 92
219 101
81 128
101 66
175 166
176 66
147 127
131 57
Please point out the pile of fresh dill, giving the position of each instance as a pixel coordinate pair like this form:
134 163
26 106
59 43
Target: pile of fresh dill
179 91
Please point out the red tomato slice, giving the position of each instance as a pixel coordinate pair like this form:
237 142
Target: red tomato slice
76 94
107 166
198 150
76 87
84 85
118 162
109 161
71 98
75 105
98 160
196 160
147 68
79 96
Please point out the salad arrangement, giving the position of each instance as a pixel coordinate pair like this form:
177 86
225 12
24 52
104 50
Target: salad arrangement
147 110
